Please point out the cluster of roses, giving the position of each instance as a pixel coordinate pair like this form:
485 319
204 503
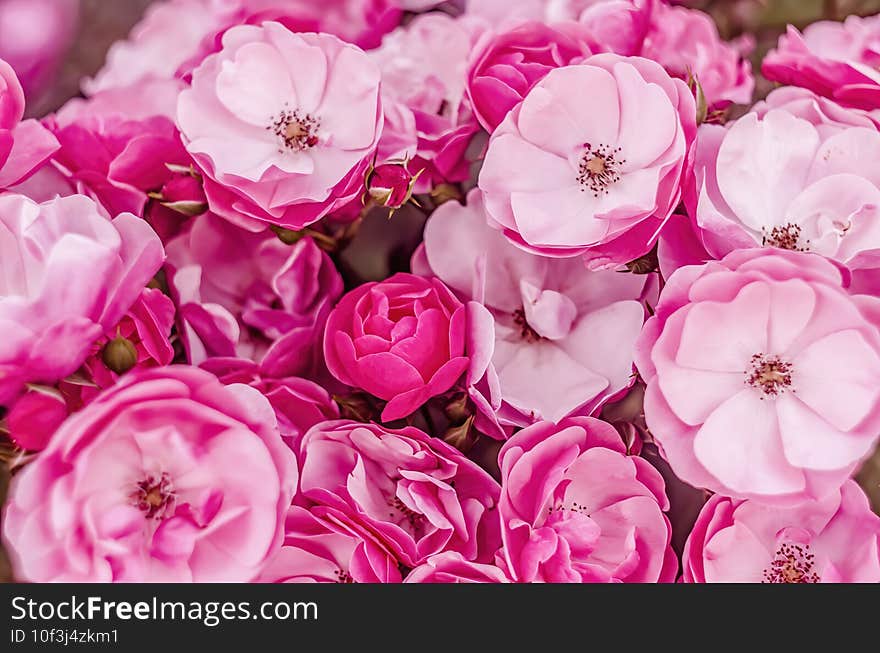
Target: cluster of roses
196 387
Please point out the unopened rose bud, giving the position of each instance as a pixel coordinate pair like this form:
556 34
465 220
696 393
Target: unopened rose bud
391 184
119 355
356 407
462 437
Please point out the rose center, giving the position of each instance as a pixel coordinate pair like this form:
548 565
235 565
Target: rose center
787 236
599 168
154 496
526 331
296 130
770 374
793 563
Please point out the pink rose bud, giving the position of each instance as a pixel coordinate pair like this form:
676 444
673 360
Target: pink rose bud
391 184
35 417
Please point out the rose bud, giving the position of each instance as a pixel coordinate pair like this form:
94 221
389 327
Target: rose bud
390 184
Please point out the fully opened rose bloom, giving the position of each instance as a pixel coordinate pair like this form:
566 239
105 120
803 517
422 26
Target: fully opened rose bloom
559 338
154 481
69 274
410 493
283 125
591 162
835 539
763 375
576 508
402 340
837 60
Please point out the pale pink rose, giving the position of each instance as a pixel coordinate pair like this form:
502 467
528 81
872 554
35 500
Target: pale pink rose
249 294
576 508
409 493
452 567
686 43
424 68
618 26
548 319
326 551
69 274
837 60
830 540
24 145
283 125
763 375
504 66
170 32
401 339
34 36
154 481
558 185
791 174
298 403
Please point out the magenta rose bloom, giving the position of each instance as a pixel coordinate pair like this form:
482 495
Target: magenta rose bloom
837 60
68 275
763 375
558 185
451 567
830 540
154 481
283 125
504 66
575 508
409 493
402 340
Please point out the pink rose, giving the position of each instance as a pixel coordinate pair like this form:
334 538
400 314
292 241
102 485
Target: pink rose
548 319
401 340
35 416
298 403
249 294
412 494
504 66
576 508
70 274
763 375
452 567
390 184
24 146
831 540
154 481
558 185
280 141
837 60
791 174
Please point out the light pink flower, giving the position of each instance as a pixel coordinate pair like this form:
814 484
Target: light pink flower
557 337
791 174
424 68
559 185
452 567
504 66
326 551
576 508
763 375
24 146
69 274
830 540
282 124
154 481
412 494
249 294
837 60
402 340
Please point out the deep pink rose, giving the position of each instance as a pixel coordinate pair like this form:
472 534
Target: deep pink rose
411 494
154 481
327 551
24 146
401 340
558 185
69 274
547 319
283 125
390 184
504 66
830 540
576 508
249 294
35 416
791 174
837 60
763 375
452 567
